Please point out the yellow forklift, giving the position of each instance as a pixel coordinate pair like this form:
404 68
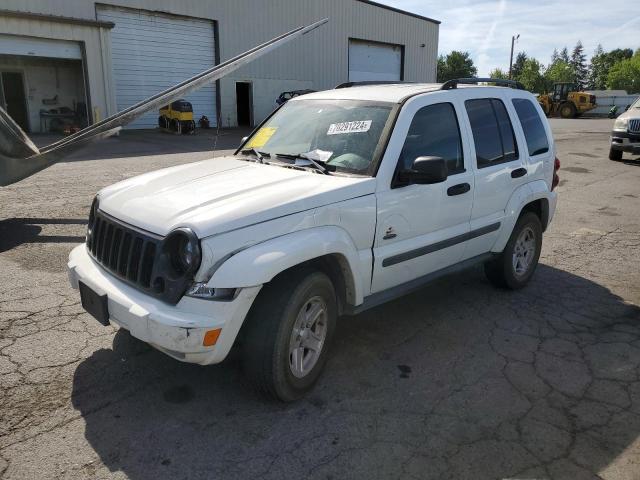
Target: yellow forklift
177 117
566 101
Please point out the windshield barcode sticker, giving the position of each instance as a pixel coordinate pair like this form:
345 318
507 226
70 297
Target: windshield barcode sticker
349 127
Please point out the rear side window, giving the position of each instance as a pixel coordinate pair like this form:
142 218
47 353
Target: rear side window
532 126
434 132
492 132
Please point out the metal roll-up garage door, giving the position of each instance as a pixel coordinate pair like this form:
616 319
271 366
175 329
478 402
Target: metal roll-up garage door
374 61
153 51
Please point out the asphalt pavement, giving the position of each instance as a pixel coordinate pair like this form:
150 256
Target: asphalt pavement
456 381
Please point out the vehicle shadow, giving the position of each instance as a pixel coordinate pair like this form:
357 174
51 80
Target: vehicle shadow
17 231
458 380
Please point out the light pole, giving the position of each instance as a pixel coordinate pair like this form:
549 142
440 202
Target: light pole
513 41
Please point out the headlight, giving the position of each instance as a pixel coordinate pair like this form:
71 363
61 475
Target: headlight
621 124
184 251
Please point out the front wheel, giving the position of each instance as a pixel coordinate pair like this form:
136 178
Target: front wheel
615 154
288 333
515 266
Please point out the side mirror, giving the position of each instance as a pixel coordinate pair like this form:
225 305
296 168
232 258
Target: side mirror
425 170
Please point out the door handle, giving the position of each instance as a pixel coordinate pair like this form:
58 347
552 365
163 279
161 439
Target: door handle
458 189
518 172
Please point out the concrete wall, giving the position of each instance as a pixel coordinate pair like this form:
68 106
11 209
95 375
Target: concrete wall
44 79
318 61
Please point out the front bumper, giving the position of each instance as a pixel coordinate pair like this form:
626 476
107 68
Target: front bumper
626 142
177 330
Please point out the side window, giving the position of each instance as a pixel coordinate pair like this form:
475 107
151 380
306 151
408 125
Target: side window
492 132
434 132
532 126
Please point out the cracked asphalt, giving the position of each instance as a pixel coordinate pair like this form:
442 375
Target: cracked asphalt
457 381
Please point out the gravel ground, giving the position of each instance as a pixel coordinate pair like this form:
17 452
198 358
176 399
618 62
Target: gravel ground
459 380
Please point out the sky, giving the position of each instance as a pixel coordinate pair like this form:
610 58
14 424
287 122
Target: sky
484 28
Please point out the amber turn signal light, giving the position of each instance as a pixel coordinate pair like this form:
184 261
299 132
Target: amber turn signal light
211 337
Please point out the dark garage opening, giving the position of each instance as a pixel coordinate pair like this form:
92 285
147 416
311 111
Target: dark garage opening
14 99
244 103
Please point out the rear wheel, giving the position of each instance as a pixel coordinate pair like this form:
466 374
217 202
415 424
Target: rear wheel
288 333
515 266
568 110
615 154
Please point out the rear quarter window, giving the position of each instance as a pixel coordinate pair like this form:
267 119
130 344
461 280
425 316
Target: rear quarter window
534 132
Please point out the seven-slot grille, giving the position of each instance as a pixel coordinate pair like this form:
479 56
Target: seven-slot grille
634 125
123 251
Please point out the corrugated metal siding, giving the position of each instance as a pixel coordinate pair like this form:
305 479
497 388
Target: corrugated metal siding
151 52
319 60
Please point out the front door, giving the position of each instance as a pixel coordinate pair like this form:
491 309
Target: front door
15 102
423 228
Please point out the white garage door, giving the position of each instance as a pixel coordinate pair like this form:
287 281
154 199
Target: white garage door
39 47
151 52
374 61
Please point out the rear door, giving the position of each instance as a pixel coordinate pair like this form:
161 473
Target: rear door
500 165
422 228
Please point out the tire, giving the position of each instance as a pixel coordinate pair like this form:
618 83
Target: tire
568 110
502 271
269 344
162 122
615 154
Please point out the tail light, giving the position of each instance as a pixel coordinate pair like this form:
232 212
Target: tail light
556 178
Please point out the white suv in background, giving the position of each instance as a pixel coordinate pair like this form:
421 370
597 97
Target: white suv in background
625 136
341 200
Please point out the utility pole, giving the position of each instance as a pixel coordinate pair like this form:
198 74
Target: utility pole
513 41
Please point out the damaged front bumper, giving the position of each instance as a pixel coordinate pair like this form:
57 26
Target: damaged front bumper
177 330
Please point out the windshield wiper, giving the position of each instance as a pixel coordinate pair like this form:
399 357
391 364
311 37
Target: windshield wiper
295 156
258 154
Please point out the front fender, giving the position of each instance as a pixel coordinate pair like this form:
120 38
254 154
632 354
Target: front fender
523 195
258 264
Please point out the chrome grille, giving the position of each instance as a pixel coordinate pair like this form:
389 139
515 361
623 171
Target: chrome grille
123 251
634 125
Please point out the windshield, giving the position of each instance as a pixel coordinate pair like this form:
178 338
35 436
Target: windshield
636 104
344 134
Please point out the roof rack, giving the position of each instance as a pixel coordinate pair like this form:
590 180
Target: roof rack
371 82
448 85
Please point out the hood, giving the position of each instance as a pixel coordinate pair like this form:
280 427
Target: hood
633 112
215 196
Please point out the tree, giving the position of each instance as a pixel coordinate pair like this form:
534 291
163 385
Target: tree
498 73
560 71
601 64
598 70
578 64
455 65
555 56
625 75
564 55
518 65
531 76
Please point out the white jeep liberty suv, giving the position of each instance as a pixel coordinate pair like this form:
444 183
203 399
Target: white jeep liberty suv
339 201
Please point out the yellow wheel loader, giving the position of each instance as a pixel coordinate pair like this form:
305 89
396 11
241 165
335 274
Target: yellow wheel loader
177 117
566 101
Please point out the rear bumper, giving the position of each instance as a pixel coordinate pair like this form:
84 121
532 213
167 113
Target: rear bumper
625 142
177 330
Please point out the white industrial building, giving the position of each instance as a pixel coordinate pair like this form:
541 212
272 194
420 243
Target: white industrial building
78 61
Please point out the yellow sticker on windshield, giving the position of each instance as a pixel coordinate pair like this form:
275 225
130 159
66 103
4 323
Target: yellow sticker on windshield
261 137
